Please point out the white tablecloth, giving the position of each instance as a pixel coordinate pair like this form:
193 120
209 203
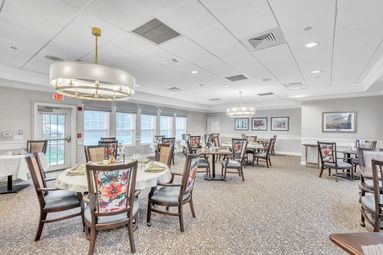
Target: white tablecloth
78 183
16 165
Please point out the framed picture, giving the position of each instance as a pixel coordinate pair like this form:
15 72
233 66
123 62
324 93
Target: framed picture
339 122
259 124
241 124
280 123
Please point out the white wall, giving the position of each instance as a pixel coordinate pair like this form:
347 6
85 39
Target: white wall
16 113
288 142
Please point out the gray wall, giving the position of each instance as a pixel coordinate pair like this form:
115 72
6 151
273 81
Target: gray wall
288 142
196 123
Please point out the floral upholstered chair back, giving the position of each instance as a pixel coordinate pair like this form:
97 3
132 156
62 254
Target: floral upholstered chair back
327 152
166 152
110 148
239 148
111 188
195 142
189 175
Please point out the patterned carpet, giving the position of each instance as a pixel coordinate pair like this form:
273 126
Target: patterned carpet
285 209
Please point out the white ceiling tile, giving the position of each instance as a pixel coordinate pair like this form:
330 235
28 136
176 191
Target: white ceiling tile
280 62
81 4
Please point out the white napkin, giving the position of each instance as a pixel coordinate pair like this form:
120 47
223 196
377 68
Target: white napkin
376 249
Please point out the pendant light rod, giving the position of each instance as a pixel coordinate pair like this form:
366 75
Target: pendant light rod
97 33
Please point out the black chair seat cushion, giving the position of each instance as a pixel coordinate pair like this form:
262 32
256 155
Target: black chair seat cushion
368 202
113 218
341 165
60 199
355 161
203 163
168 195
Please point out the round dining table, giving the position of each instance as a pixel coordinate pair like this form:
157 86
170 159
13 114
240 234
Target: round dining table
145 179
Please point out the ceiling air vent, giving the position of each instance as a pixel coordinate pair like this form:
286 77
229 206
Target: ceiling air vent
238 77
295 86
265 94
215 99
174 89
266 39
156 31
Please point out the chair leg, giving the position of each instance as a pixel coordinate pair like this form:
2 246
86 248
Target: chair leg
192 207
149 213
270 161
329 172
93 235
243 177
267 163
181 217
362 220
43 216
224 173
131 237
321 172
336 175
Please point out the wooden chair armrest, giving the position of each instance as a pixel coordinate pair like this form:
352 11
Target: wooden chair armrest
365 189
178 174
174 174
50 179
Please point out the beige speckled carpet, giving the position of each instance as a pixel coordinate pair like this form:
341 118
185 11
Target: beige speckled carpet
286 209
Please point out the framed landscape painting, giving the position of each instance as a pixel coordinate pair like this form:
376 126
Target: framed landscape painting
339 122
241 124
259 124
280 123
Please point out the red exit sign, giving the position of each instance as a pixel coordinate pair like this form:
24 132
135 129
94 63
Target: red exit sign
57 97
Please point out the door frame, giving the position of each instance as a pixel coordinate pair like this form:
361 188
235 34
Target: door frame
73 124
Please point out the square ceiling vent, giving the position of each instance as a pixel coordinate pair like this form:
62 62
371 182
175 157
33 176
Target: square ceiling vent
156 31
265 94
264 40
238 77
295 86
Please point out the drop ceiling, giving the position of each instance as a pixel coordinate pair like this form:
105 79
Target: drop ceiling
213 42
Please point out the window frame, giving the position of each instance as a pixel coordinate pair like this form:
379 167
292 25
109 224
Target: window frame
133 129
154 127
106 129
183 130
171 125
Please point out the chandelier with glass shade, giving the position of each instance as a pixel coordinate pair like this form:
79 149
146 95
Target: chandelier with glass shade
91 81
241 111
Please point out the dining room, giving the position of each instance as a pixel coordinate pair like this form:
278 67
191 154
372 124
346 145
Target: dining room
191 126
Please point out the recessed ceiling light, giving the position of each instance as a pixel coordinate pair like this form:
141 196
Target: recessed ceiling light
298 96
312 44
137 85
308 28
194 72
13 48
226 86
316 72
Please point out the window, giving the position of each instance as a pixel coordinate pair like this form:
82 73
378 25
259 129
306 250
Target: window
96 125
125 124
180 127
148 128
166 126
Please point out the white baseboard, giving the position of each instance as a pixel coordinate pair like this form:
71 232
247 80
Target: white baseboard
288 153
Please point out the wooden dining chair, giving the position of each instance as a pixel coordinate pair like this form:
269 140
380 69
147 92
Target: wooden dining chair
166 154
372 205
236 160
328 157
111 148
112 200
37 146
51 200
202 163
264 155
175 195
272 149
364 144
195 143
108 139
96 153
185 137
170 140
251 139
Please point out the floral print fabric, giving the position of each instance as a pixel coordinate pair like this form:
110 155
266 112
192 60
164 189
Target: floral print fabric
112 190
327 153
192 174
